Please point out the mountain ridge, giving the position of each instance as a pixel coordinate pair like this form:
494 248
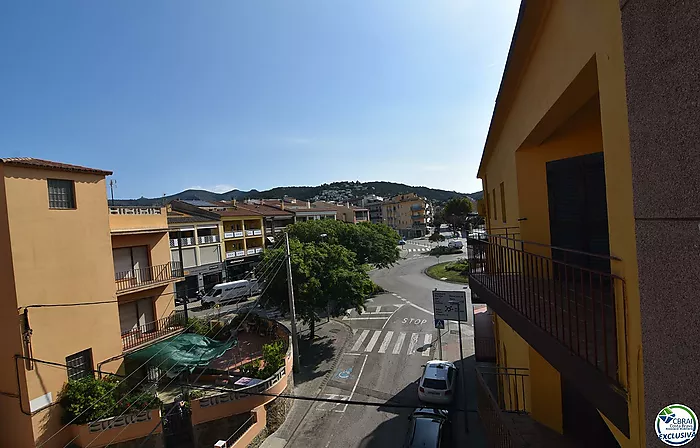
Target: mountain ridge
335 191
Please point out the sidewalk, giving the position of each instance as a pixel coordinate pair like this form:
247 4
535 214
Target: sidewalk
317 362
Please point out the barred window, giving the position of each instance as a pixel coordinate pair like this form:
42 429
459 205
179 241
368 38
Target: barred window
61 194
80 365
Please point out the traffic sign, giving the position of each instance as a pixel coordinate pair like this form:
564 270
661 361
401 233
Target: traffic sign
439 324
450 305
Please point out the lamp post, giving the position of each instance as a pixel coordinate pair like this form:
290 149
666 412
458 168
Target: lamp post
461 362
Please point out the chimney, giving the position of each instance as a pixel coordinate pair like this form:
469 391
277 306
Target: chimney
282 202
308 204
234 203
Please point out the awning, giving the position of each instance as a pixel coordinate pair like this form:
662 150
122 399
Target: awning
183 352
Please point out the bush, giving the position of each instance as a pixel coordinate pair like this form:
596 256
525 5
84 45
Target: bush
273 358
461 266
251 369
100 398
198 326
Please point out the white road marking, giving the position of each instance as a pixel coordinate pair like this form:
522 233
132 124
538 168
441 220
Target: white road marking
378 310
399 343
385 342
359 375
365 318
398 307
373 341
420 308
426 343
359 342
412 344
394 294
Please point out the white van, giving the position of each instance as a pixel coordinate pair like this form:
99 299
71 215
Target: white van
236 291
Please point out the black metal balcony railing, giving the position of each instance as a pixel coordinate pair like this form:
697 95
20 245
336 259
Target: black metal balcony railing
135 278
484 349
571 301
500 391
153 330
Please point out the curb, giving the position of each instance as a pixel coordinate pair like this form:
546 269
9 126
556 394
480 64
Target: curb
425 272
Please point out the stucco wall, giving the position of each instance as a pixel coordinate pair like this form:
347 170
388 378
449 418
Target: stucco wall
61 256
562 40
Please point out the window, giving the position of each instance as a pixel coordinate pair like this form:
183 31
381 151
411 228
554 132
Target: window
495 210
503 202
80 365
434 384
61 194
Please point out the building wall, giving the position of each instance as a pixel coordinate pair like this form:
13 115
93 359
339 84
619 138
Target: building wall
661 63
575 54
59 257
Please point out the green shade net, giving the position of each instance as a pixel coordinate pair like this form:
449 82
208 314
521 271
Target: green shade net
183 352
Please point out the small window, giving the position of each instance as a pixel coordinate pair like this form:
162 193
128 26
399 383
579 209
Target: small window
434 384
503 202
80 365
61 194
495 209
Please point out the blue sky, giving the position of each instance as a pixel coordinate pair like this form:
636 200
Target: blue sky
253 94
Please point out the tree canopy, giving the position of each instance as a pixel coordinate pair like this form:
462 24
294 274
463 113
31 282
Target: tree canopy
374 244
327 279
457 211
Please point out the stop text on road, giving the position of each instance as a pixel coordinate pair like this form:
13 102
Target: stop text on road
411 320
450 305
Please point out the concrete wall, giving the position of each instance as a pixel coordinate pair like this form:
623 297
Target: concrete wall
124 222
661 63
58 257
120 435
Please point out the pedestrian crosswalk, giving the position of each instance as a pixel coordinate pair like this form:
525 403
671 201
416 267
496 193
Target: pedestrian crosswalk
373 313
403 342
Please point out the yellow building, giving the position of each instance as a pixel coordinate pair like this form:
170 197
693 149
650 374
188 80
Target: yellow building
60 301
407 214
591 104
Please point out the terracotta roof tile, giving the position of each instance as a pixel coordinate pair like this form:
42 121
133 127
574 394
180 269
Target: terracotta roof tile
30 162
266 210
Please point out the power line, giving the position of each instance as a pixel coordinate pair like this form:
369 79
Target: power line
162 362
270 261
175 365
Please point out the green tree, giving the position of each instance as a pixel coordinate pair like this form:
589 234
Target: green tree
374 244
436 237
456 212
327 278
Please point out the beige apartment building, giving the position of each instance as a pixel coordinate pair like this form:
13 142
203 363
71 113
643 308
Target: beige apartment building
81 284
407 213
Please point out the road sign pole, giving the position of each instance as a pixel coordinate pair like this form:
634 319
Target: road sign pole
461 364
439 344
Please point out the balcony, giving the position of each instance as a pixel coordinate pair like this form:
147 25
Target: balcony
234 234
135 279
208 239
253 232
503 407
564 306
235 254
189 241
127 220
153 331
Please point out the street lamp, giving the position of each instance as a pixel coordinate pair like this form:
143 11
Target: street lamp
461 362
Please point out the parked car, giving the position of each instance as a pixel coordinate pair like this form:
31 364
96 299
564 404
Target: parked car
402 241
455 244
428 428
230 292
437 384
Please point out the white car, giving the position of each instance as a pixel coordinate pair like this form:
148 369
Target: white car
455 244
437 385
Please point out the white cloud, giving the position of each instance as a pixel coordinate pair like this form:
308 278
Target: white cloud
219 188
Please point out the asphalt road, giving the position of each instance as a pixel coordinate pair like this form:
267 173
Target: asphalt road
383 362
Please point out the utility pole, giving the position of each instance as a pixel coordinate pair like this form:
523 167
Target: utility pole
182 269
290 288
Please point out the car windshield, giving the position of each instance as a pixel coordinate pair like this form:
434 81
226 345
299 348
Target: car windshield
434 384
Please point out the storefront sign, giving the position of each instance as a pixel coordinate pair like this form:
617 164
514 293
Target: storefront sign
120 422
